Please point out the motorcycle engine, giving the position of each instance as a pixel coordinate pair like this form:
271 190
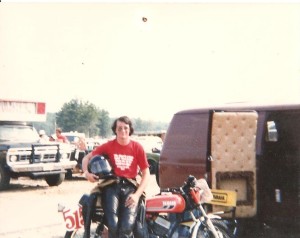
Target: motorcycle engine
160 226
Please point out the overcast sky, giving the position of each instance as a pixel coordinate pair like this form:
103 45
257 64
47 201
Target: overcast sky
149 60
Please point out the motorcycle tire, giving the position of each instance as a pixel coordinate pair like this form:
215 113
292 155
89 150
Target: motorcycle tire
219 225
69 234
78 234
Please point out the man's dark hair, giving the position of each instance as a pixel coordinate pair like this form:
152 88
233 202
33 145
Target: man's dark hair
124 119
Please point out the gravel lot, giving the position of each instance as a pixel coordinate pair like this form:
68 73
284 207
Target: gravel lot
29 207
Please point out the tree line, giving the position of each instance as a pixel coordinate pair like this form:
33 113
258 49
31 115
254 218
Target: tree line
85 117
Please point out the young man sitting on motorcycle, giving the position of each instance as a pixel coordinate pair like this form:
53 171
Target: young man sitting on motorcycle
120 198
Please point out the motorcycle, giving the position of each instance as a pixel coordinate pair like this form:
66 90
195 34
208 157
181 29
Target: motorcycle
174 212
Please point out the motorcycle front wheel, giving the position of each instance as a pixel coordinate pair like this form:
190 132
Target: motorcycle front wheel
74 234
221 228
78 234
70 234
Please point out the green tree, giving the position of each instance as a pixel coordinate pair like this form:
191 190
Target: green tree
138 124
85 117
80 116
142 125
104 124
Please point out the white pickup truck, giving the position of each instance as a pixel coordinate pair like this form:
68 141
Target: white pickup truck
23 155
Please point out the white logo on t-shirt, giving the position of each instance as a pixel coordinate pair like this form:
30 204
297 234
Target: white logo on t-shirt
123 161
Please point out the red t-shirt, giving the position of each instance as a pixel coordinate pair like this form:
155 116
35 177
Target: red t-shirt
125 160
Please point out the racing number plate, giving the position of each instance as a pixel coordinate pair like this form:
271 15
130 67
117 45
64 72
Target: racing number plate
73 218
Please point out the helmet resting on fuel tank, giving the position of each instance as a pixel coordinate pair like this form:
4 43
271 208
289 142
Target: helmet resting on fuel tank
100 166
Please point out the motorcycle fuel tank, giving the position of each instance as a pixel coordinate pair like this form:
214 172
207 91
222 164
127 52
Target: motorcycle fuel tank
173 203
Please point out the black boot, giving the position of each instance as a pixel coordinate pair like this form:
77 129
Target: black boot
88 203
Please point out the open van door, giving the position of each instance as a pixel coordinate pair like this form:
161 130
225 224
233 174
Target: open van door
279 172
233 158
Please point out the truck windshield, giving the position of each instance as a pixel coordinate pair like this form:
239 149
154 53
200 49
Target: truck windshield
18 133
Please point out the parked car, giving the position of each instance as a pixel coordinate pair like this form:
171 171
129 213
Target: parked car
153 160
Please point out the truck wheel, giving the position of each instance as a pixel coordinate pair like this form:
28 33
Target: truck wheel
55 180
4 178
69 174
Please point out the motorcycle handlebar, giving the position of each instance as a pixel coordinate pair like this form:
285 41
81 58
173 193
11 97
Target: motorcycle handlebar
170 190
190 182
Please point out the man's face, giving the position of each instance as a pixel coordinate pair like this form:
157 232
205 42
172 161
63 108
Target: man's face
122 130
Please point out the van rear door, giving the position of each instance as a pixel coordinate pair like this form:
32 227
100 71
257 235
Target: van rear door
185 148
233 164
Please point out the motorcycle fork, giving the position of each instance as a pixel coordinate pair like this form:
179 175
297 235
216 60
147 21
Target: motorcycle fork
210 225
203 219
